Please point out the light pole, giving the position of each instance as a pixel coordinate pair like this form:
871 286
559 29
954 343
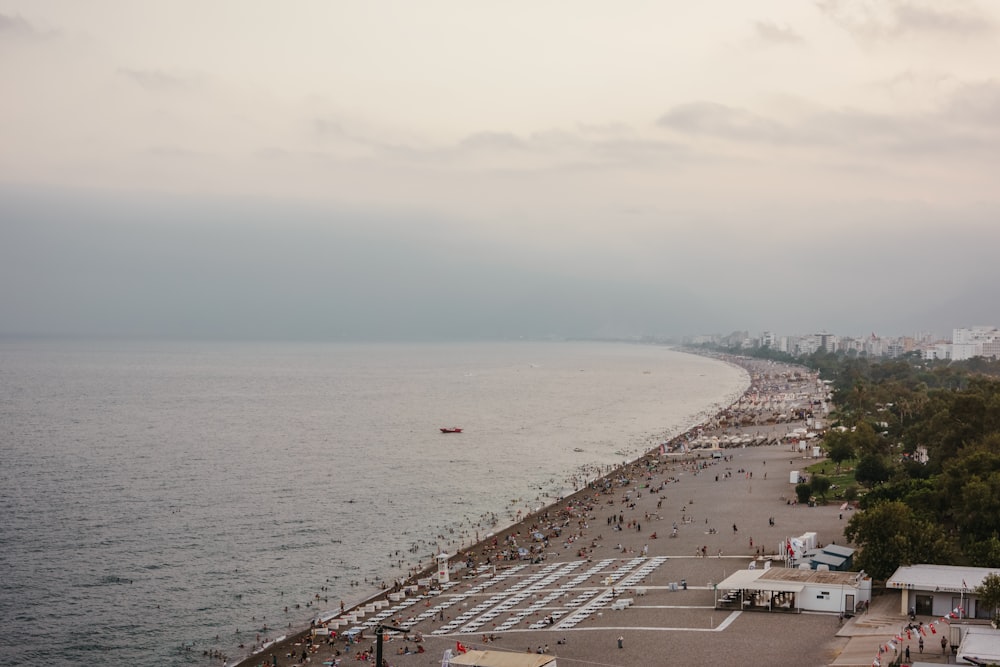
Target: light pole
380 630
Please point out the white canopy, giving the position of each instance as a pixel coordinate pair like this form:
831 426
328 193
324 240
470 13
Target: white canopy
748 580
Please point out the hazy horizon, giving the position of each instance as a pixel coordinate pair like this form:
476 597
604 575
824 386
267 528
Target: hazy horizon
454 171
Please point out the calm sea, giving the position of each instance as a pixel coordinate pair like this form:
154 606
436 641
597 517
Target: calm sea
156 498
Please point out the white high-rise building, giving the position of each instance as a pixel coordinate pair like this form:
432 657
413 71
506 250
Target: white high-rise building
972 342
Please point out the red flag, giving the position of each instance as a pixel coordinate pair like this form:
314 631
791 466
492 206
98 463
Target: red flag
459 648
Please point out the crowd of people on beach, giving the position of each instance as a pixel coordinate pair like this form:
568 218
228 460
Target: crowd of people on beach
565 526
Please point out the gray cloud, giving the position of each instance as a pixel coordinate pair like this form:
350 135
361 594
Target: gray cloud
503 141
638 153
17 26
587 149
772 33
881 19
966 125
155 79
328 127
924 18
272 153
73 263
171 152
712 118
977 103
224 269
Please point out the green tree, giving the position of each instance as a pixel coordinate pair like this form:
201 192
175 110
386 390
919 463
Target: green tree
867 442
988 593
871 470
890 534
803 492
971 483
921 495
820 485
839 446
984 553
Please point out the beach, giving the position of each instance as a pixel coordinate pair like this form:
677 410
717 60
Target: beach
518 589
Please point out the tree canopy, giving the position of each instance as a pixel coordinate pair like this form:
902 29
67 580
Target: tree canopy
890 534
988 593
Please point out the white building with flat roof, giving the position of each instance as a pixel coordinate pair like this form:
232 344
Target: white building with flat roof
794 590
936 590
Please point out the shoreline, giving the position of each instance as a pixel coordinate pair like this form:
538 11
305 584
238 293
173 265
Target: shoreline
486 547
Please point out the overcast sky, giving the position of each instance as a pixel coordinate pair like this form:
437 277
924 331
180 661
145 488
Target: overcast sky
335 169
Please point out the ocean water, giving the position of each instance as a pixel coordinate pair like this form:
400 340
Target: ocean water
163 499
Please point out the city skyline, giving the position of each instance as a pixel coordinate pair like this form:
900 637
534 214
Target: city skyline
963 344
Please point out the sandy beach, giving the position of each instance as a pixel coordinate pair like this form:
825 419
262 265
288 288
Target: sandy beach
728 508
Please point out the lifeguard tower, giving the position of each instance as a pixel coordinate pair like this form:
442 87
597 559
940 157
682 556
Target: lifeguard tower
442 576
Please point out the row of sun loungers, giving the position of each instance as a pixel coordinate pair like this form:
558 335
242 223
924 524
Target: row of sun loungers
572 611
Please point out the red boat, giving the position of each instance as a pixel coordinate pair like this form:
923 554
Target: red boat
453 429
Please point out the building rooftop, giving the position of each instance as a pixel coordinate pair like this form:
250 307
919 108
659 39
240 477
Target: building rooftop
813 576
939 577
838 550
787 579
